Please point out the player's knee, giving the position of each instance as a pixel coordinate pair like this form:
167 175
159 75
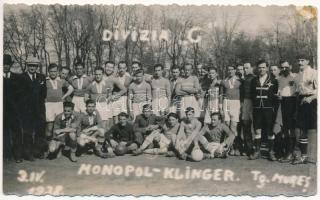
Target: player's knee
73 136
81 142
113 143
100 132
271 137
53 146
257 134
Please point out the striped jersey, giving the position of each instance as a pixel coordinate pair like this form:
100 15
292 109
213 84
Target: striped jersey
140 92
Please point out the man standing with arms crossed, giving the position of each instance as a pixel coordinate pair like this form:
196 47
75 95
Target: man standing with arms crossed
139 94
98 92
55 96
121 105
161 91
188 87
307 88
287 98
116 90
79 82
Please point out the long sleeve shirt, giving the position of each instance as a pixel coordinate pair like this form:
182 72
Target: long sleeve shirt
121 133
140 92
141 123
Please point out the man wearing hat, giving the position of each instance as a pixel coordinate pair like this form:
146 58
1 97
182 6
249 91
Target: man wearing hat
307 85
33 94
12 135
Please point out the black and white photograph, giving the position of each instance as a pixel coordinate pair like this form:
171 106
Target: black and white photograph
135 99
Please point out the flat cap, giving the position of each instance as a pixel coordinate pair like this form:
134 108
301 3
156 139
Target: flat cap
33 60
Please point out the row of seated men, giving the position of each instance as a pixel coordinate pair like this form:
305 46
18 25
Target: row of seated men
186 138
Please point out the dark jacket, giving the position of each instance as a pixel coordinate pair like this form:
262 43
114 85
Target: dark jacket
264 96
33 95
245 92
11 99
121 133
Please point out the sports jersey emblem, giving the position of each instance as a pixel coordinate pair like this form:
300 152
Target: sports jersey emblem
269 84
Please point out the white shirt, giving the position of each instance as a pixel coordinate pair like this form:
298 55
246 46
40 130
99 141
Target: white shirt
99 86
286 85
307 81
263 78
30 75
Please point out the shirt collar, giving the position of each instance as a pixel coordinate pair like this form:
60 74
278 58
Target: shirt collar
307 68
57 78
64 117
30 75
94 113
102 82
76 77
263 77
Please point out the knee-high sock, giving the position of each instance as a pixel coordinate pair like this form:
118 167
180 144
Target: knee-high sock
257 144
303 142
271 145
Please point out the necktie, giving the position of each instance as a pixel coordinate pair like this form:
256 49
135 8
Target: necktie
7 75
33 77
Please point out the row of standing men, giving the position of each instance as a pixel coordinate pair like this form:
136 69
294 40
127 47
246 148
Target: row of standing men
269 100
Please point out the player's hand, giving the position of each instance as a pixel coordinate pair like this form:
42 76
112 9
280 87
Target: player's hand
278 95
68 129
224 145
154 127
309 99
306 100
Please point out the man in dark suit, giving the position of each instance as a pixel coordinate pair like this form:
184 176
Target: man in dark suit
33 94
263 95
12 135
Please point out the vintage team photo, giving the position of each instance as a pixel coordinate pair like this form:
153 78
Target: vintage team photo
159 100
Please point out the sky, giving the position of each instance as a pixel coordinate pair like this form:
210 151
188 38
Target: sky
253 18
